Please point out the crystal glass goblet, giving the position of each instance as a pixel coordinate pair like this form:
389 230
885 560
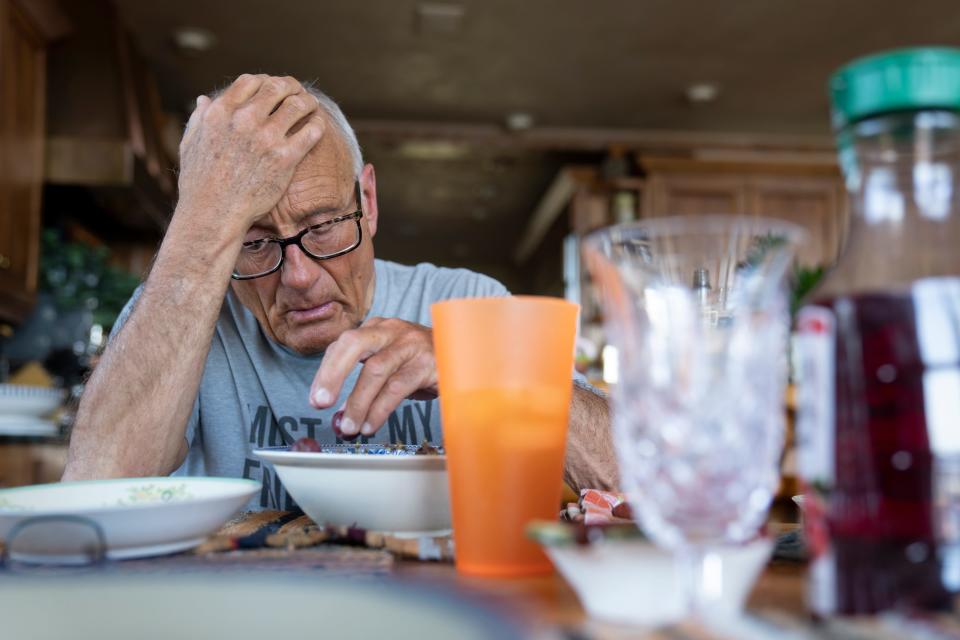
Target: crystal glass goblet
697 309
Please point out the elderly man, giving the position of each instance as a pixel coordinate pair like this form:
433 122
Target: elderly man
275 202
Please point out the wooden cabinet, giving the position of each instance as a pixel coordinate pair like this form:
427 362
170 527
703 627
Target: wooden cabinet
25 29
814 203
22 87
809 196
682 194
23 462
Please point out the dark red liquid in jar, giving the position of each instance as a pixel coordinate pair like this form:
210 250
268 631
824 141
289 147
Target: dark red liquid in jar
891 513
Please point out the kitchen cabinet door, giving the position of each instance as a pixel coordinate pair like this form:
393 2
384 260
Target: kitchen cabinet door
672 195
24 463
814 203
22 120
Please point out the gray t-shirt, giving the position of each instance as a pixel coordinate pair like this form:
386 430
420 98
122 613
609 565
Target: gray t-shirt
254 391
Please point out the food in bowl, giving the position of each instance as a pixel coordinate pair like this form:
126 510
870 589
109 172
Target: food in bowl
384 488
307 444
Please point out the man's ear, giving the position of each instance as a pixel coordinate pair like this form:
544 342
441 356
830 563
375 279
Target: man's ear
368 192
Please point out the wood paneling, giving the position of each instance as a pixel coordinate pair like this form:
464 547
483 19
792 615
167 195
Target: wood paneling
22 115
25 463
816 204
694 194
810 195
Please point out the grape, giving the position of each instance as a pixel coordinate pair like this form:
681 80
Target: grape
305 444
335 423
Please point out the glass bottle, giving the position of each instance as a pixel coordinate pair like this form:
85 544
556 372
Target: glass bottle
879 347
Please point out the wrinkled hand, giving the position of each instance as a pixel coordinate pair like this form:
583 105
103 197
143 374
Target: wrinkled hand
398 363
238 154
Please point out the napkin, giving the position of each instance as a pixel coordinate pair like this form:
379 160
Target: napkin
597 507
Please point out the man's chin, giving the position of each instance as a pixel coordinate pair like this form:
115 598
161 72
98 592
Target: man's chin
309 339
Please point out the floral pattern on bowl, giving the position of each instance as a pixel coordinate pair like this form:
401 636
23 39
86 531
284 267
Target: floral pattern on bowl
151 494
12 506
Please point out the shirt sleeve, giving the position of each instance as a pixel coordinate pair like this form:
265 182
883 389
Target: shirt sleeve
125 312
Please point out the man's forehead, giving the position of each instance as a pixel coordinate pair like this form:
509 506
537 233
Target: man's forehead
323 179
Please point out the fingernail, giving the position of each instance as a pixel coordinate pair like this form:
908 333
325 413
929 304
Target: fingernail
367 429
348 426
321 397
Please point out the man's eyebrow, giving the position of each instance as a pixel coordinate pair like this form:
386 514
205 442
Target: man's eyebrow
320 210
262 227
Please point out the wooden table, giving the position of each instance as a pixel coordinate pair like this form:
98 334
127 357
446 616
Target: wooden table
549 603
546 606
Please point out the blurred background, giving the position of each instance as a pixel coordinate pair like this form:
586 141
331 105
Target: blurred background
501 132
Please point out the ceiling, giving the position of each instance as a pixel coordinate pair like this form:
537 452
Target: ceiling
610 64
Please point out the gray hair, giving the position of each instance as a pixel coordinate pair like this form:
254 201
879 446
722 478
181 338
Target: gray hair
339 120
341 123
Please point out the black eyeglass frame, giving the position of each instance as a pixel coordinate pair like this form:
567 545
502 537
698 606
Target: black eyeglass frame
298 238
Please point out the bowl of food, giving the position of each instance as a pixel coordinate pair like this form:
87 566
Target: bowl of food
122 517
623 578
396 489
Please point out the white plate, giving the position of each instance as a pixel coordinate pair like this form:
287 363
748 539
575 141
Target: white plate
138 516
27 426
22 400
239 606
398 494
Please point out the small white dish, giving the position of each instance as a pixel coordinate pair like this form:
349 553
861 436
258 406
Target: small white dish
23 400
27 426
397 494
138 517
631 581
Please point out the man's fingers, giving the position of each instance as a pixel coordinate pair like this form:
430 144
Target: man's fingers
273 91
376 379
189 130
339 360
308 136
243 88
293 110
398 362
406 382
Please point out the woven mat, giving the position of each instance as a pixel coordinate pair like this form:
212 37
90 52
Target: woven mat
294 530
331 559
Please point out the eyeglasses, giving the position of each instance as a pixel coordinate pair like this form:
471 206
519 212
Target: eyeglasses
329 239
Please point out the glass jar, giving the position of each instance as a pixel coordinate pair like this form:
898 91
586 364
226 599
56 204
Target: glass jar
879 347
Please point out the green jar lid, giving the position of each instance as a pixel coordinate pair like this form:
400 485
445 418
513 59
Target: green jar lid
898 80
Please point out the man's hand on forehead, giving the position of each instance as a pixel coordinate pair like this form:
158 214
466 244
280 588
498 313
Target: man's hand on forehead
240 149
398 363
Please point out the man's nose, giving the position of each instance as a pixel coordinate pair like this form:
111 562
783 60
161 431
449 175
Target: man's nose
299 270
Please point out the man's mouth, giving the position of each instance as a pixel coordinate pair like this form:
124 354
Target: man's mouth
323 311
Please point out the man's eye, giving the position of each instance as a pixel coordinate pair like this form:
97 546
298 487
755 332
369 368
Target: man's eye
319 232
254 246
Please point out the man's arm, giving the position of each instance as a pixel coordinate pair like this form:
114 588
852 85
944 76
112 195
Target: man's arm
590 462
237 158
135 407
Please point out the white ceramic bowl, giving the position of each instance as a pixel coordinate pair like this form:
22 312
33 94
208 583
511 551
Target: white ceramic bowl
138 516
631 581
22 400
398 494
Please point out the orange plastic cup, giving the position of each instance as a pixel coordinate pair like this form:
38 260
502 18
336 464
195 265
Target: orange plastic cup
505 369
